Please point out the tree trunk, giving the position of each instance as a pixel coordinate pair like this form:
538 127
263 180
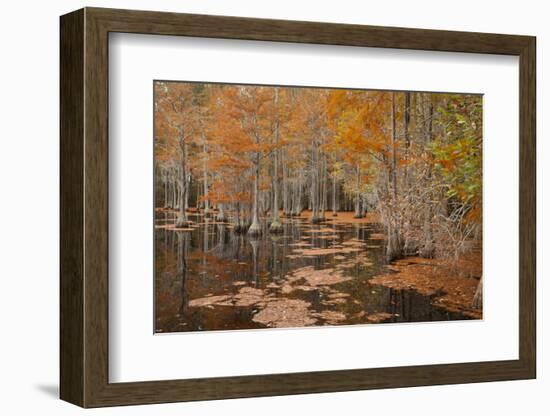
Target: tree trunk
165 177
175 188
363 207
205 241
276 226
406 122
393 149
176 191
427 247
286 197
255 228
357 213
297 205
240 223
221 213
314 184
338 193
323 190
334 187
205 178
172 190
187 184
182 220
394 249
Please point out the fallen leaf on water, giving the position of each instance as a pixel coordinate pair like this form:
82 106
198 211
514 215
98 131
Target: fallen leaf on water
338 295
209 300
333 302
300 245
322 230
452 288
325 251
249 296
331 317
319 277
379 317
354 243
284 313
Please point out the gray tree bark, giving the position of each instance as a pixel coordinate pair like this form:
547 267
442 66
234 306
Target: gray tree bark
276 226
182 220
255 228
394 248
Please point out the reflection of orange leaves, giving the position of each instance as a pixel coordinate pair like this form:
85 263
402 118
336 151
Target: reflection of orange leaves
453 287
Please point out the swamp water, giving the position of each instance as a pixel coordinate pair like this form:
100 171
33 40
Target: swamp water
209 278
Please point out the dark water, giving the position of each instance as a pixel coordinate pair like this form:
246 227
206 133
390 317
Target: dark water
209 278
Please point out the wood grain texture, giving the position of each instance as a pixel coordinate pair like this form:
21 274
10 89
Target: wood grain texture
96 208
71 213
84 204
162 23
527 207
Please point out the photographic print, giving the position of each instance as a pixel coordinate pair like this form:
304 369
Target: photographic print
283 206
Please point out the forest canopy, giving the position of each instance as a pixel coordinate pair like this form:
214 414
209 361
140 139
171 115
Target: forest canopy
256 154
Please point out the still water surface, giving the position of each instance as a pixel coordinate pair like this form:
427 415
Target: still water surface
209 278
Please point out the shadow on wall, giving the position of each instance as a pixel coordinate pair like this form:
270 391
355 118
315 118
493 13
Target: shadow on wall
49 390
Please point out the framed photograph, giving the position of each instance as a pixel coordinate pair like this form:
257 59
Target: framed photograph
257 207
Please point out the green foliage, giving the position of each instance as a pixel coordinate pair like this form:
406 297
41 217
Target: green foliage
457 152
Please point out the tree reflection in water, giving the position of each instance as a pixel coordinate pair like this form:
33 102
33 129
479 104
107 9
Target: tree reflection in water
211 278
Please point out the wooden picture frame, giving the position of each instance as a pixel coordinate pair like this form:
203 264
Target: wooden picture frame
84 207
